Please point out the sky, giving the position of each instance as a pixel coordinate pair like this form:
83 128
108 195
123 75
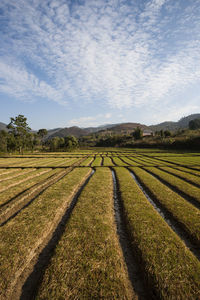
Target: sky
92 62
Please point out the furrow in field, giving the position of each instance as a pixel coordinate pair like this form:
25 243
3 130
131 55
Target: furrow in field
31 230
125 242
88 262
182 216
10 210
170 270
190 192
112 160
182 175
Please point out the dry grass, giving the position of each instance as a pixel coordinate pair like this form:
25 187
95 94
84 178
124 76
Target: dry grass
183 175
97 162
169 267
182 211
88 262
21 235
179 184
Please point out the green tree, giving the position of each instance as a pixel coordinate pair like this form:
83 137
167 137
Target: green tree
71 142
138 133
19 128
42 133
167 133
3 141
54 143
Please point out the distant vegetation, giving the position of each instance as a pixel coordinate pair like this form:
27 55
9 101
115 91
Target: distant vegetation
18 137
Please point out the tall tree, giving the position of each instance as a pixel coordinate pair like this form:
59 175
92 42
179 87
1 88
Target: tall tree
19 128
138 133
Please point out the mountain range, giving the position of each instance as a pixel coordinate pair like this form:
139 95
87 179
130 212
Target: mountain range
117 128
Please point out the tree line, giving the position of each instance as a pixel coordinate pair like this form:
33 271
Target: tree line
20 138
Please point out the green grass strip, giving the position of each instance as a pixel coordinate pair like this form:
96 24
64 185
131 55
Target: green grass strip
192 178
108 162
87 161
195 172
170 269
129 161
15 190
119 162
22 236
23 176
9 174
97 162
88 262
182 211
177 183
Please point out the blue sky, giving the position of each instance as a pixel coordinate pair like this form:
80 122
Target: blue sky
94 62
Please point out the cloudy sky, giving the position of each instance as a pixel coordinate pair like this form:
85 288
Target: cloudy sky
92 62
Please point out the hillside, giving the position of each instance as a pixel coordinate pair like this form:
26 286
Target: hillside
124 128
3 126
75 131
181 124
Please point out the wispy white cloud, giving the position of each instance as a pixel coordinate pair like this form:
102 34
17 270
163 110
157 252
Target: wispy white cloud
114 52
90 121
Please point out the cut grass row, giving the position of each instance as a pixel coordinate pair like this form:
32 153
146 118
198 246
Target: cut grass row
87 161
183 212
88 263
182 175
12 173
182 186
188 170
97 162
183 160
171 270
119 162
25 176
23 237
14 191
13 207
107 162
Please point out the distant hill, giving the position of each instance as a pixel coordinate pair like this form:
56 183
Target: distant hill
181 124
78 132
3 126
75 131
121 128
124 128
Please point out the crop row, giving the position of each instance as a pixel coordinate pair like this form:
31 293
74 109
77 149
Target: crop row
188 190
171 270
88 263
180 209
22 237
19 188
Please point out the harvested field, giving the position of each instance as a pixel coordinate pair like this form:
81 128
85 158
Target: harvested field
103 224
